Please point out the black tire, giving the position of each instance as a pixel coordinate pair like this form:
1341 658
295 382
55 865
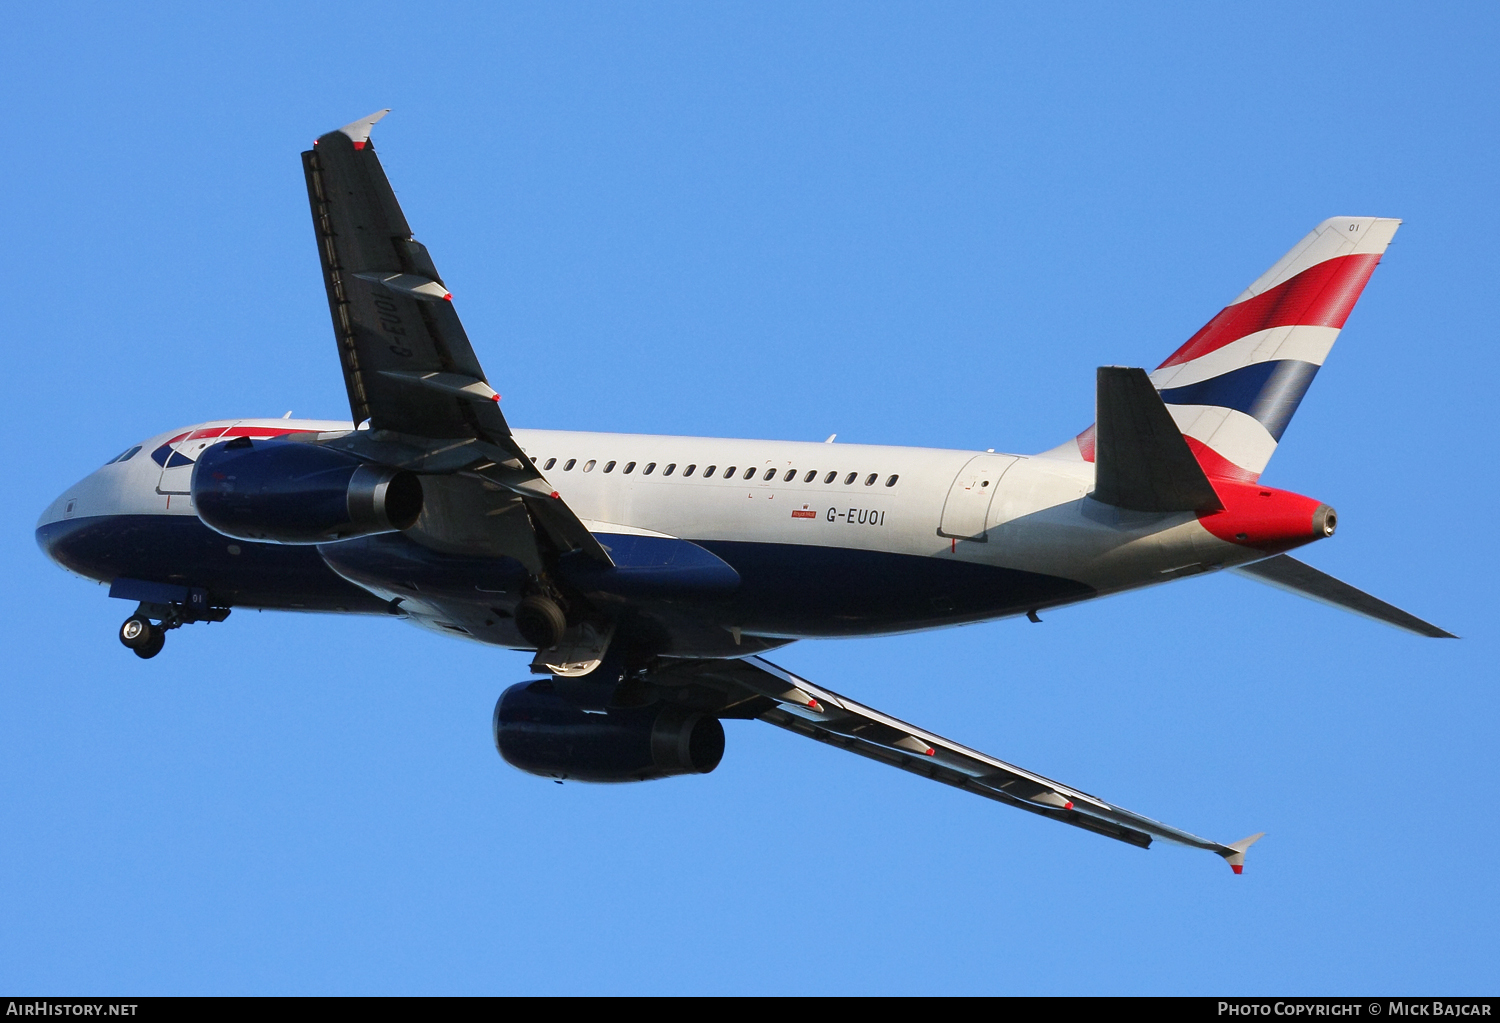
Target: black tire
151 649
540 621
137 631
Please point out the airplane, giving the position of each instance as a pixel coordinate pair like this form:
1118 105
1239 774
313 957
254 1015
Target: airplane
649 575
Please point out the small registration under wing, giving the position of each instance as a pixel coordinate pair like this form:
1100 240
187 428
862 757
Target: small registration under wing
794 703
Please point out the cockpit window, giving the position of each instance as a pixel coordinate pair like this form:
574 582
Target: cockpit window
125 455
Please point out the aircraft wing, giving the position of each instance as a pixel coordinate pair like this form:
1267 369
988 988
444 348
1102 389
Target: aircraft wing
408 365
793 703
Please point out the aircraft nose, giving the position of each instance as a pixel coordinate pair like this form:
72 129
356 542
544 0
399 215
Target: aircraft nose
56 522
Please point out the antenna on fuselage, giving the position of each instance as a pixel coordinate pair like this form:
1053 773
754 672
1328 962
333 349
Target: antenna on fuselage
830 438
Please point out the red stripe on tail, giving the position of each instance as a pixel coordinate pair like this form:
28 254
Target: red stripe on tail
1320 296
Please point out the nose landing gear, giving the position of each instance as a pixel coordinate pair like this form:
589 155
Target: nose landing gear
139 635
145 632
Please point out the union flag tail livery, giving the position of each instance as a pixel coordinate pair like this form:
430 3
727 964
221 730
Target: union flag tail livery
647 575
1235 385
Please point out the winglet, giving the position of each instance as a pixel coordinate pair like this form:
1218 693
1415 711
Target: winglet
1235 853
359 131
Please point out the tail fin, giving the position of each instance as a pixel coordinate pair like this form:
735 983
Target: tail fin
1234 386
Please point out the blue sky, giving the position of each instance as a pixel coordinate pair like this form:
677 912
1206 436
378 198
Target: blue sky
920 224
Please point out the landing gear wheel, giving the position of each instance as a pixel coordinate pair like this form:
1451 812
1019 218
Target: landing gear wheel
153 646
540 621
137 633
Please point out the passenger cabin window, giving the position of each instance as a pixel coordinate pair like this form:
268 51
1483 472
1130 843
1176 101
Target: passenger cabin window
729 472
629 468
812 474
609 467
650 468
850 478
770 475
708 473
791 474
750 473
870 479
550 463
569 467
891 482
671 468
689 470
589 467
830 478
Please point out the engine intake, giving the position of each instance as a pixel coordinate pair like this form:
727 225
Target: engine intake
540 732
298 493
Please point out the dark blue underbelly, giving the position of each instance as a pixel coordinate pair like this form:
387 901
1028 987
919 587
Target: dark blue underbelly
792 589
181 550
783 589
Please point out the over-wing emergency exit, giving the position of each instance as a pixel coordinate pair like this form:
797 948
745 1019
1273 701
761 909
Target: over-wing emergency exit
648 575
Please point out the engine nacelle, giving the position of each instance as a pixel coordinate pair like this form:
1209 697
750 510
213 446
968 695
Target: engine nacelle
297 493
540 732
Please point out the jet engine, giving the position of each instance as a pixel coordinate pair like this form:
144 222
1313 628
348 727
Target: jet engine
298 493
542 733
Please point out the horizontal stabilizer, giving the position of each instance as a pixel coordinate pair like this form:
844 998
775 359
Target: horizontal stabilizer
1291 574
1141 461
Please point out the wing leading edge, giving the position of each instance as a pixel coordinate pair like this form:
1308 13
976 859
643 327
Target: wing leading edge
791 702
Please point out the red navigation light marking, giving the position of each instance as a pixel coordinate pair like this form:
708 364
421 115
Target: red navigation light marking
554 493
1068 805
1238 868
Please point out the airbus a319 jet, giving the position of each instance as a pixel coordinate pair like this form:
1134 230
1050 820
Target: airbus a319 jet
650 574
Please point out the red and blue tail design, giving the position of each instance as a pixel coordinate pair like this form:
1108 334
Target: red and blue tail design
1234 386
